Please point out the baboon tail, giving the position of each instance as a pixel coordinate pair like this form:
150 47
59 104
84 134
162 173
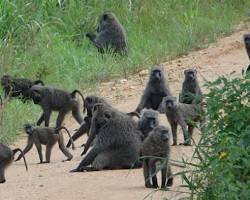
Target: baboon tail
21 152
134 113
70 138
38 82
73 95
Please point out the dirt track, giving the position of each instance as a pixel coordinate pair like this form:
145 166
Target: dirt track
53 181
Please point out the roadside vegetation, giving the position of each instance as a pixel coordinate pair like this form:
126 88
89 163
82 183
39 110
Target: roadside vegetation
46 40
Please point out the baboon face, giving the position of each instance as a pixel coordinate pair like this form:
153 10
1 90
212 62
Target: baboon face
29 128
247 40
162 133
156 75
102 114
35 94
170 102
190 74
150 118
5 80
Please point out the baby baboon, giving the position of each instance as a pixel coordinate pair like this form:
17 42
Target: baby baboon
89 103
155 149
155 90
191 92
110 34
52 99
46 136
6 158
182 114
117 144
17 87
147 122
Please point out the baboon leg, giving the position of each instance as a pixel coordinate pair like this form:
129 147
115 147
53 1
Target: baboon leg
60 118
84 128
39 150
163 175
64 149
76 112
146 173
187 140
2 172
49 147
47 114
190 131
169 176
174 132
152 166
40 120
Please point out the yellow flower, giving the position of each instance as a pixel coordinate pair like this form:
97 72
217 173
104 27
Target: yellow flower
222 155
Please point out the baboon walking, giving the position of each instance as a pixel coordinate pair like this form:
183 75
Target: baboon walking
110 34
6 158
117 143
183 115
155 149
46 136
52 99
155 90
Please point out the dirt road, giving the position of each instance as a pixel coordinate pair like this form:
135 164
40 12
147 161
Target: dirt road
54 182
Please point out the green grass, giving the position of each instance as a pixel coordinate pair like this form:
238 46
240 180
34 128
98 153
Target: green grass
40 40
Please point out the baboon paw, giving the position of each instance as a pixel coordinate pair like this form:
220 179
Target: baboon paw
155 186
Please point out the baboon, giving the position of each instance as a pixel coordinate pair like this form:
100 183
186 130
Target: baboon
117 144
17 87
147 122
89 103
155 90
247 43
52 99
46 136
110 34
6 158
155 149
191 92
182 114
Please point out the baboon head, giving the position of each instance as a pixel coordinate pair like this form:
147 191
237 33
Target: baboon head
90 101
149 119
156 75
190 74
168 103
106 19
6 81
247 40
35 93
29 128
102 114
161 133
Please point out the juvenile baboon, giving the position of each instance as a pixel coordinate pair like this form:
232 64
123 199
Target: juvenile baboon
155 90
191 92
52 99
46 136
117 144
6 158
182 114
17 87
110 34
155 149
149 119
89 103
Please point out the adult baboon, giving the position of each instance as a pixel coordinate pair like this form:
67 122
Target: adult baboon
182 114
117 144
155 149
52 99
17 87
46 136
110 34
6 158
89 103
191 92
155 90
149 119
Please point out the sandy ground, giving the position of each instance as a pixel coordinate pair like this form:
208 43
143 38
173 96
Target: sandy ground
53 181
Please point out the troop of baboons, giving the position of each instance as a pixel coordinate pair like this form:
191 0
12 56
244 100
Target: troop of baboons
118 140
